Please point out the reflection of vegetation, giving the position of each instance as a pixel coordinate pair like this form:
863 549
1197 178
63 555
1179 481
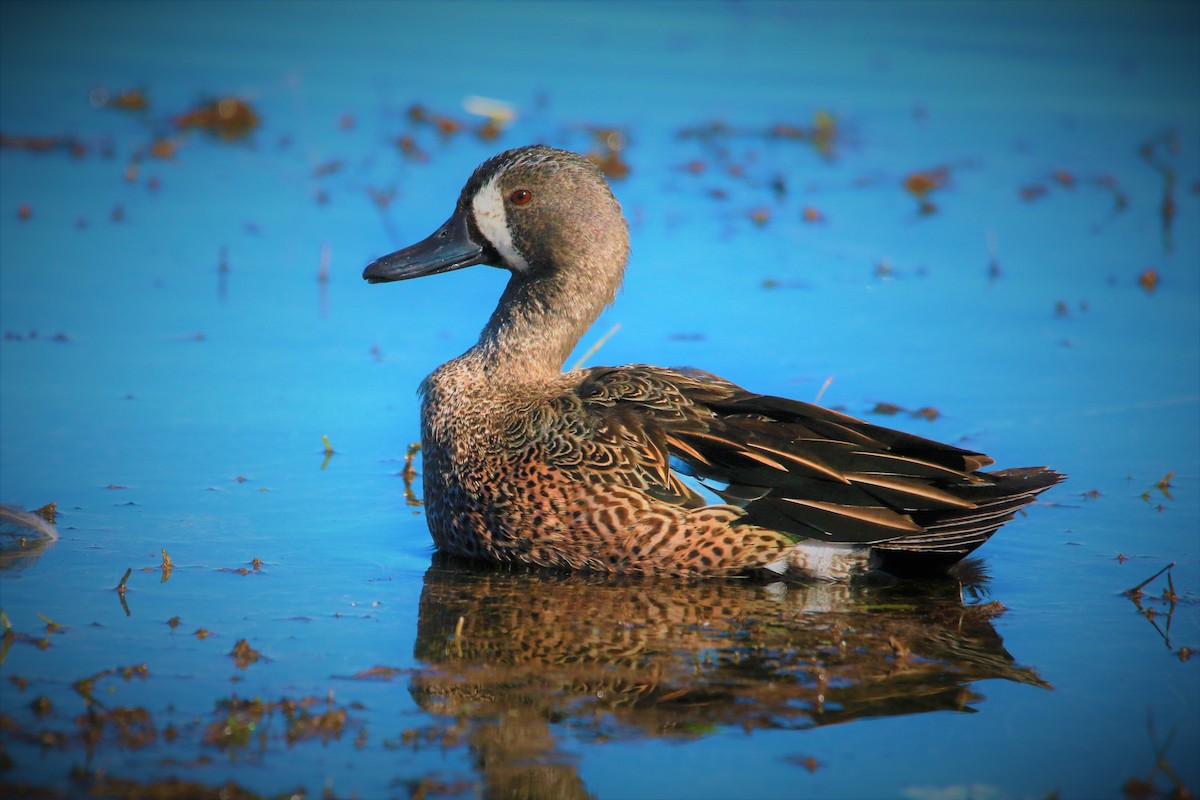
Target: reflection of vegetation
243 654
1161 605
511 653
1149 788
239 720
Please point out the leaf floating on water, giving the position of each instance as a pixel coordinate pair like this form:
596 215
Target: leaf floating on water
1032 192
1064 179
376 674
1163 485
891 409
128 100
243 654
1148 280
807 762
610 142
922 183
409 474
230 118
85 686
328 451
329 167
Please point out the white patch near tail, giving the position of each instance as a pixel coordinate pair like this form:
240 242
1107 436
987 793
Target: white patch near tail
836 562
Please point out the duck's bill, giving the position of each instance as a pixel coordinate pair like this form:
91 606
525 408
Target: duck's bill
450 247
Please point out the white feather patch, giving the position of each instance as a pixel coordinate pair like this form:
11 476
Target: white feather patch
492 219
829 561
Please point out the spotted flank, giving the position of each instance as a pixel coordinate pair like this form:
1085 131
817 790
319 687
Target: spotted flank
644 469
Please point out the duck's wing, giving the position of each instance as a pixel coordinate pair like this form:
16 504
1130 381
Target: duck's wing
797 467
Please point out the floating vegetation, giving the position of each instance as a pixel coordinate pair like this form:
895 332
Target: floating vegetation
241 721
85 687
128 100
822 133
1155 152
595 348
9 636
256 565
1163 604
120 587
45 144
229 118
608 144
497 114
1162 485
409 474
377 673
243 654
1148 280
923 183
891 409
809 763
1149 788
13 336
327 449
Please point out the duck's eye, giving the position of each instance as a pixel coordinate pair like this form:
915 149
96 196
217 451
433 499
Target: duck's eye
520 197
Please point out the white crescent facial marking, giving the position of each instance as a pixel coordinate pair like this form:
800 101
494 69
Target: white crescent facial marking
492 219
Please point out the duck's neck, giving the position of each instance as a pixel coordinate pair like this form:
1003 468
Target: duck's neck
538 322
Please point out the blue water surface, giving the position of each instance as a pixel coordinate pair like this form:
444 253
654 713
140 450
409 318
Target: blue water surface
181 329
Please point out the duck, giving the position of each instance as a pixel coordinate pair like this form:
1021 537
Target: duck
648 470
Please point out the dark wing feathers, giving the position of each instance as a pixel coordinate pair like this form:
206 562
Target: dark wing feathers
799 468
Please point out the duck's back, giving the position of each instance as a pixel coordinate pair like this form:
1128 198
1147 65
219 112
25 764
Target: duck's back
587 471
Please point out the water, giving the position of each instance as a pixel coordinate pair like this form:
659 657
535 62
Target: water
202 358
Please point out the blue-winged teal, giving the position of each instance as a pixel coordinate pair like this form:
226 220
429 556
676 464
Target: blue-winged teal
581 470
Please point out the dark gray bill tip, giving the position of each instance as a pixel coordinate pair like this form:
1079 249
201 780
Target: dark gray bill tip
450 247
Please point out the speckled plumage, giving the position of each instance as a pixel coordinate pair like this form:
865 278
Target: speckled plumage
582 470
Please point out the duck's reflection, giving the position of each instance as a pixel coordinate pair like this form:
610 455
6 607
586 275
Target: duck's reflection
511 654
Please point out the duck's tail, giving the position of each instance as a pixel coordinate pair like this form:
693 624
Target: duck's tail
949 535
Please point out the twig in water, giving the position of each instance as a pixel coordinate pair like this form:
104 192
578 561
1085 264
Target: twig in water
824 386
591 351
1137 590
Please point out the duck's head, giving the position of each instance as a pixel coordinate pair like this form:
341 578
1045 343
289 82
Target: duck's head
536 211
